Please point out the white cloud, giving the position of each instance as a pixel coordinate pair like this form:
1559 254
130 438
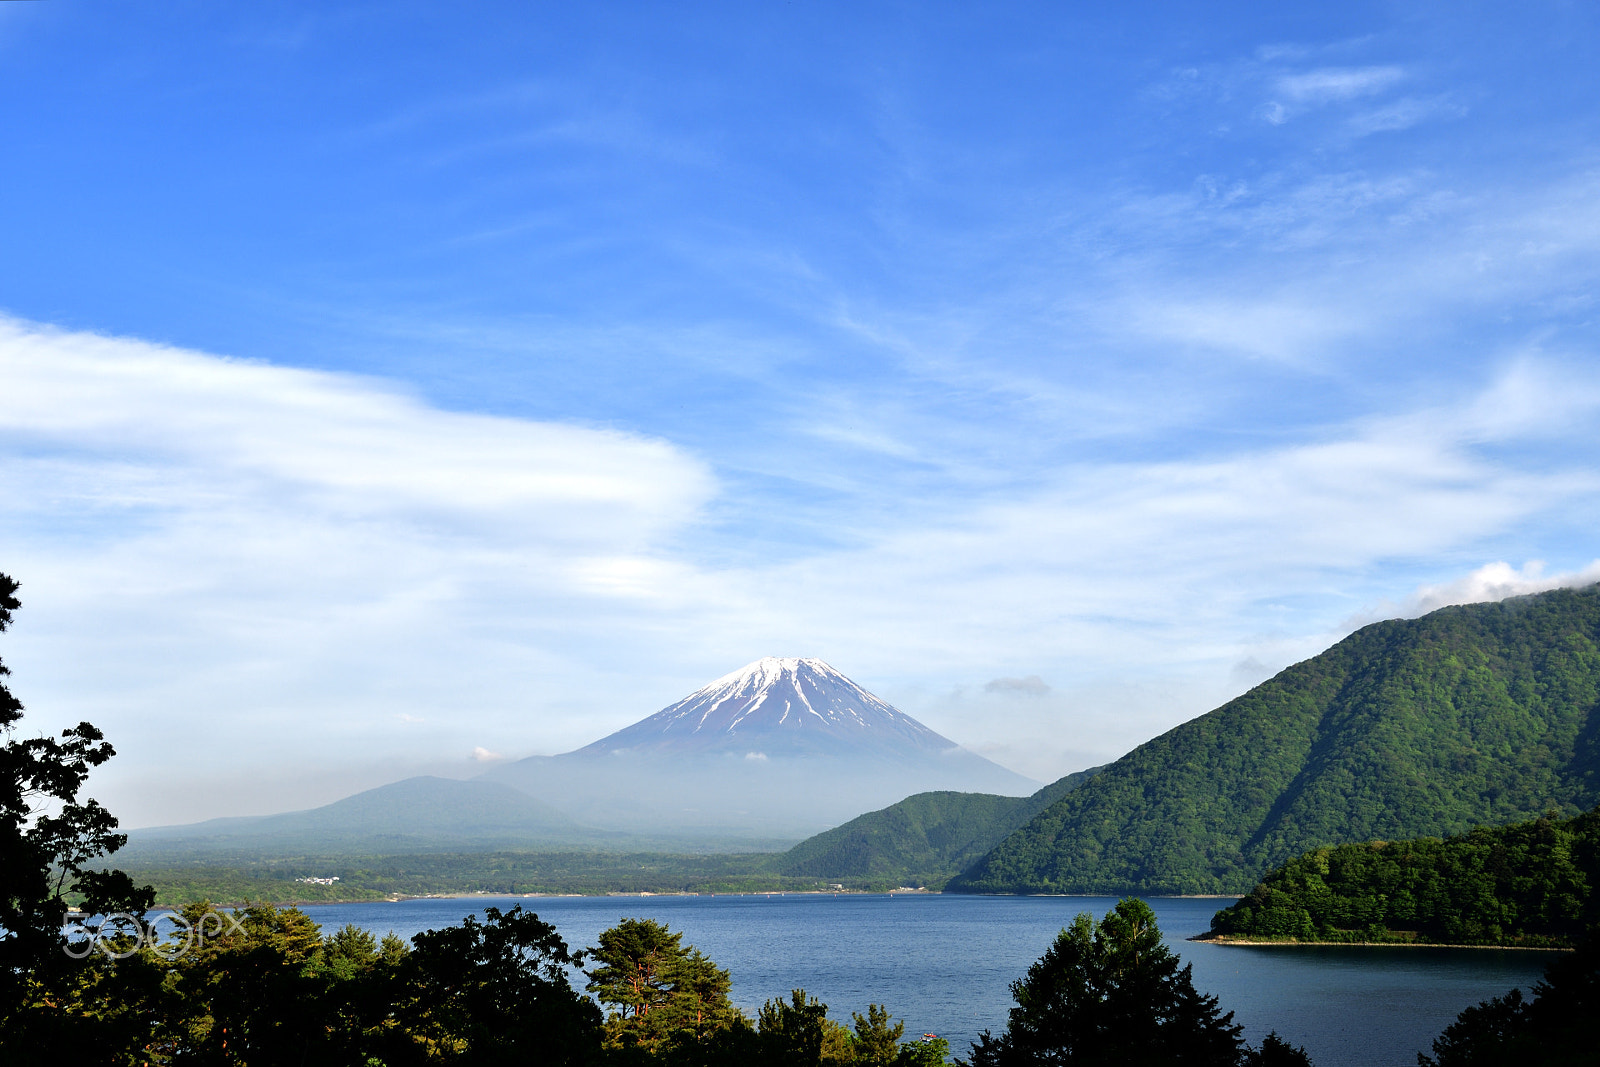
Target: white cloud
1495 581
213 550
1296 93
188 430
1328 84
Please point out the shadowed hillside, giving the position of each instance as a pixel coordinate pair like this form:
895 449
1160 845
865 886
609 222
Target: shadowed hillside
923 840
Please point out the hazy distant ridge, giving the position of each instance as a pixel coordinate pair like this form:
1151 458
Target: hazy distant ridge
415 812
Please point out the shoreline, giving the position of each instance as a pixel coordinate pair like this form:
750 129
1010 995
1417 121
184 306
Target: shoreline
1201 939
403 897
898 892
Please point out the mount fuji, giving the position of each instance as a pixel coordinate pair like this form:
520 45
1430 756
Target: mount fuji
776 748
788 707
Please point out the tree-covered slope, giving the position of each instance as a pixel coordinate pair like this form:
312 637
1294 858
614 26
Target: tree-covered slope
1531 883
922 840
1481 714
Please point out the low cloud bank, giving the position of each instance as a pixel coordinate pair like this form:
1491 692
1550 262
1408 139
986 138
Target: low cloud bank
1032 685
1497 581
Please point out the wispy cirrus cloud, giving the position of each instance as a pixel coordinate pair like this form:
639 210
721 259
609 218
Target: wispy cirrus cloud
1330 84
1405 113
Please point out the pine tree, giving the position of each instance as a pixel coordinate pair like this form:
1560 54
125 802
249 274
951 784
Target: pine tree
1112 993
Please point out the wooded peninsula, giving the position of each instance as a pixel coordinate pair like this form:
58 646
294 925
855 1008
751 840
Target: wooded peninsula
1529 884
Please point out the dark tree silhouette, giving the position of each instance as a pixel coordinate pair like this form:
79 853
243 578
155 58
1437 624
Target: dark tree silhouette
47 839
1555 1028
1111 993
498 992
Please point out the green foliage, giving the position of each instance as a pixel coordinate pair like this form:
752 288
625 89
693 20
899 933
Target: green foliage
929 1050
800 1034
1554 1029
1525 884
1111 993
639 961
875 1042
670 1001
670 1006
495 992
1477 715
923 840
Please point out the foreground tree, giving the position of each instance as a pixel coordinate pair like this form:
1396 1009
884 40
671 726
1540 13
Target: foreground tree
875 1042
800 1034
669 1007
667 999
639 960
48 837
1112 993
1557 1027
497 992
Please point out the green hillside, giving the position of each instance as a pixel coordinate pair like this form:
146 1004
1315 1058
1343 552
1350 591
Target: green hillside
1481 714
1531 883
922 840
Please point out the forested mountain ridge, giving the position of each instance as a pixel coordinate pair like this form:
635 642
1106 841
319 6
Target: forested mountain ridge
1479 714
922 840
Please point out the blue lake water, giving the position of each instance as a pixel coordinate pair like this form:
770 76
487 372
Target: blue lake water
944 963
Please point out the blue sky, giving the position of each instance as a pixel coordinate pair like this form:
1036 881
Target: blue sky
385 384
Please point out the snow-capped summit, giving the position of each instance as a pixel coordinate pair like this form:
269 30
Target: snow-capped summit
778 707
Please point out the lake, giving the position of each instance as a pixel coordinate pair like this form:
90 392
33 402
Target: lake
944 963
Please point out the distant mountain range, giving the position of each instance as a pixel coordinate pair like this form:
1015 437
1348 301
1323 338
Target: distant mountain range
759 758
420 813
1482 714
